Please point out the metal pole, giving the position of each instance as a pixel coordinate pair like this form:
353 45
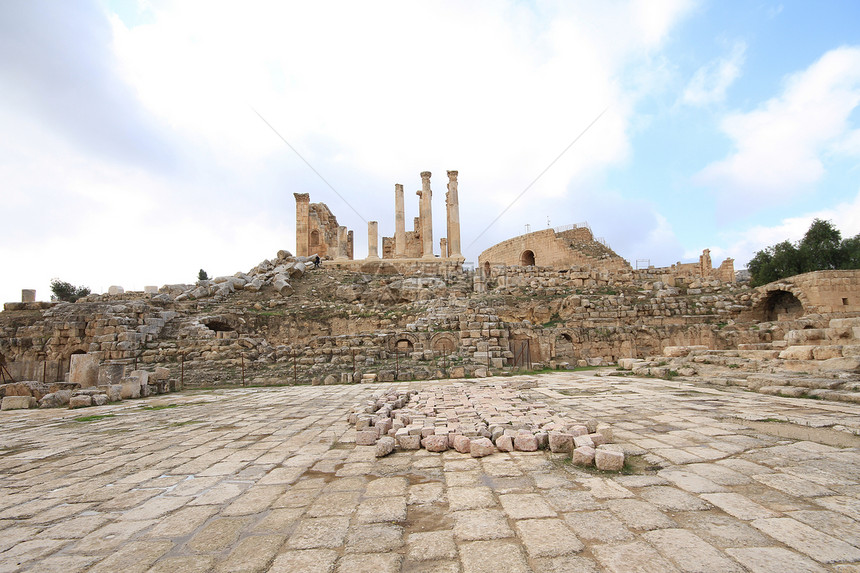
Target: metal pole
295 369
352 350
182 370
44 368
243 369
396 363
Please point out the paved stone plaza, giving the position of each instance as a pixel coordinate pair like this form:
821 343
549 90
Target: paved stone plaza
270 479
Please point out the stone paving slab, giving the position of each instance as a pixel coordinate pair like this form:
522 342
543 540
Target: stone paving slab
270 479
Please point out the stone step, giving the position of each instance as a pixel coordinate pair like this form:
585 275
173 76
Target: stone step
820 394
757 381
759 354
756 346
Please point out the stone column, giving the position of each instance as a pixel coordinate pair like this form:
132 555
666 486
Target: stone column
426 216
372 241
399 223
443 247
342 247
452 202
302 209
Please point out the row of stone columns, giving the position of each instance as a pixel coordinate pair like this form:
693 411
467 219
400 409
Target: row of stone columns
450 246
425 216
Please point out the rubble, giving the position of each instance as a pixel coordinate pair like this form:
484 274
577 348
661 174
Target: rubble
476 419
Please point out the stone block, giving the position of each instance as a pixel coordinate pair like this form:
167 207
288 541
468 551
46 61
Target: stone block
827 352
481 447
461 444
129 388
608 460
583 456
560 442
80 401
18 403
505 443
365 437
114 392
111 373
435 443
797 353
161 373
84 369
384 446
605 430
28 295
115 289
99 399
526 442
580 441
597 439
409 442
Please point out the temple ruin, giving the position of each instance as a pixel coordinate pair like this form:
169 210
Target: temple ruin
318 233
555 298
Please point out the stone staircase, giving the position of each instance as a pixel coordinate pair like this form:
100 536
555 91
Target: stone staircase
818 363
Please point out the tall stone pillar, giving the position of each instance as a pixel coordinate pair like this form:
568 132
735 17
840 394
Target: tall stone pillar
372 241
426 216
399 223
303 201
342 246
452 202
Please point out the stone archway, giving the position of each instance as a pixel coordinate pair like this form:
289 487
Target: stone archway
404 342
443 343
781 305
527 259
314 240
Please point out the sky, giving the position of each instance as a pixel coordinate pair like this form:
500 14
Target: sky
143 140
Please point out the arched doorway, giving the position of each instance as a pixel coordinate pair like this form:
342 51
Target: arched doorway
782 305
564 349
315 239
527 259
403 345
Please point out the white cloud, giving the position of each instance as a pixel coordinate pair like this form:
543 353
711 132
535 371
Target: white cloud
181 173
710 82
779 146
744 244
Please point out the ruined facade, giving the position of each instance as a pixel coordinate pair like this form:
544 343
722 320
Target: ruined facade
704 269
556 248
318 232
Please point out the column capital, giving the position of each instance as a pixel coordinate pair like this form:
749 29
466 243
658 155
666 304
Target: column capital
302 197
425 175
452 175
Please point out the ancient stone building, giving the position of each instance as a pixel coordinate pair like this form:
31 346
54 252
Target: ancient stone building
557 248
703 269
318 232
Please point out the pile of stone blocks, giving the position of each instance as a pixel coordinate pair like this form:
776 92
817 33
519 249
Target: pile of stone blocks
478 420
278 273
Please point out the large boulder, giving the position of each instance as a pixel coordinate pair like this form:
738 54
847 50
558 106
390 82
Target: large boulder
56 399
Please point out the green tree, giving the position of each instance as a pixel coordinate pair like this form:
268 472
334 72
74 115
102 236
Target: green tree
202 276
66 291
820 249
